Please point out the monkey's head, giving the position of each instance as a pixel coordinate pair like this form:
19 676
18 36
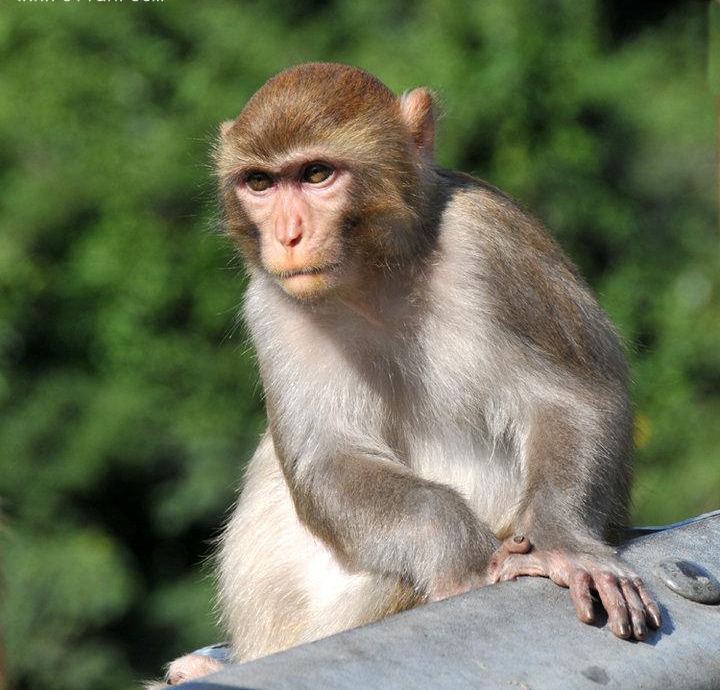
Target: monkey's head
324 176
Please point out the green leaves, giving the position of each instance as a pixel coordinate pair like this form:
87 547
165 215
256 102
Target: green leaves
66 587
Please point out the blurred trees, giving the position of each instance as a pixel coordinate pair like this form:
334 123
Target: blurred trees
128 396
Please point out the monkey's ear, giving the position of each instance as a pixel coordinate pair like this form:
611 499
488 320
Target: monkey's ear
225 127
418 110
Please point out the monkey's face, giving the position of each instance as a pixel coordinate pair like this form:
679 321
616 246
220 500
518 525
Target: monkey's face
297 213
321 176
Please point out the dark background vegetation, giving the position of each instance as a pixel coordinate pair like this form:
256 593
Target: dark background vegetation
128 398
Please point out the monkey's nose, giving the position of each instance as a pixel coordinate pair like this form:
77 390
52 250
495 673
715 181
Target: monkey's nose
290 233
293 241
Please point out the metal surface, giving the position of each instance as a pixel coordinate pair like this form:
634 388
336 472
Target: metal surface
632 532
689 580
220 652
515 635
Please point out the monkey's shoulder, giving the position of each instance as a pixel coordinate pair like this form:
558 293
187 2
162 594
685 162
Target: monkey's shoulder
536 292
498 222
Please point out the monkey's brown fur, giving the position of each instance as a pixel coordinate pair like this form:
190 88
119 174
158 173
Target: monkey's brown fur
437 377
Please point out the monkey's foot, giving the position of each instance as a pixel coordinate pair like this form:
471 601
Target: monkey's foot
191 666
630 607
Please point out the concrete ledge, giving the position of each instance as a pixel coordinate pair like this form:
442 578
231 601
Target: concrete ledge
516 635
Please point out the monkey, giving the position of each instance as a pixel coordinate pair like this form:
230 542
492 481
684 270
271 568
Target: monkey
447 403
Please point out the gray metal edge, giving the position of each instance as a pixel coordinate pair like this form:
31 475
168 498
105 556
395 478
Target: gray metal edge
517 635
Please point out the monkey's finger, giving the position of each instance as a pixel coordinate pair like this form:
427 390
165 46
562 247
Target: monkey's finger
651 608
519 564
517 544
614 603
636 608
580 595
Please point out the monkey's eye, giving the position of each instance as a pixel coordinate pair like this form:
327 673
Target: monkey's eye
258 181
315 173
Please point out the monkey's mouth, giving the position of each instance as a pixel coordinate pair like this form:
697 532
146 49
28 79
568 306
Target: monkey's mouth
308 282
307 271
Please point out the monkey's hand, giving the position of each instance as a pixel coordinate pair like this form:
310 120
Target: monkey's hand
630 607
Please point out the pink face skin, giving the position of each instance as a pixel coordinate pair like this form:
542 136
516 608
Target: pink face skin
298 208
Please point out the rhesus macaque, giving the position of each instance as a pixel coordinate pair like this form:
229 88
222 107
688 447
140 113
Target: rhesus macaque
446 401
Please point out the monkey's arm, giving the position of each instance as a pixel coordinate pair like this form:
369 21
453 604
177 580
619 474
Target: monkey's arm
576 426
380 517
578 473
577 488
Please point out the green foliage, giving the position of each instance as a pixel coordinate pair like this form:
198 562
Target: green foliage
128 397
66 587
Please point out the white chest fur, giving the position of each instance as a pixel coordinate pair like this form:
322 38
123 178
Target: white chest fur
487 475
439 413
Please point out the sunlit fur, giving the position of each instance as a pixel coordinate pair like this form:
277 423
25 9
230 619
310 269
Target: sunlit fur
469 388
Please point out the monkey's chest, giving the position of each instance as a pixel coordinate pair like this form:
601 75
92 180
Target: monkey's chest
488 475
455 428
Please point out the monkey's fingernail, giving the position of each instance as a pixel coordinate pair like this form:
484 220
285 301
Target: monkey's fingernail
624 630
519 538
